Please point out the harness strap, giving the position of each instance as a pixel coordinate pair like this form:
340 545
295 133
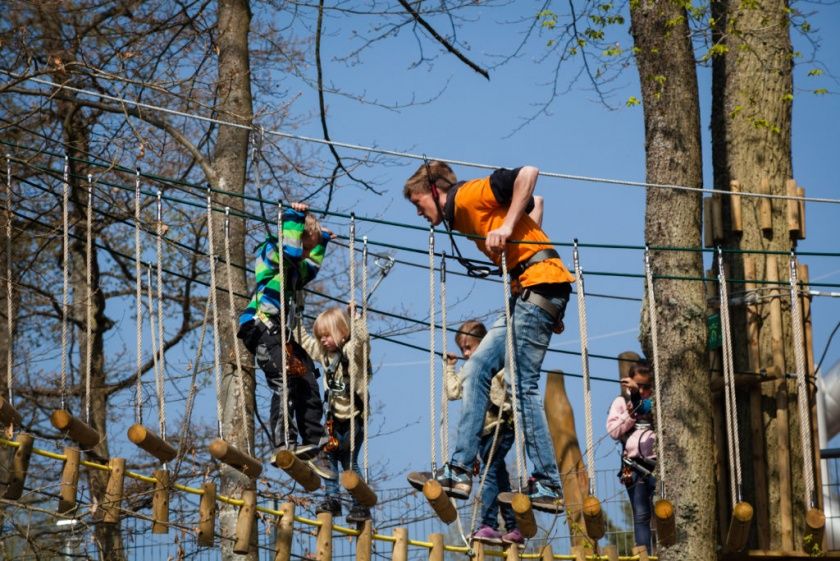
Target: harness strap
541 301
541 255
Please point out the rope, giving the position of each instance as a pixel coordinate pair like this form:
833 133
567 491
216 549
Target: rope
155 352
732 432
234 325
444 400
65 300
432 359
584 359
281 260
407 155
217 356
654 342
511 363
138 298
9 288
365 360
161 373
801 385
89 307
352 335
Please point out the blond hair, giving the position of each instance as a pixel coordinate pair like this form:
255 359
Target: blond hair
334 322
312 228
436 172
470 328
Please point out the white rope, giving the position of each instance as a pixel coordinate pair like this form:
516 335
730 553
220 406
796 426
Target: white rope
217 356
138 301
432 357
801 386
65 300
10 328
155 350
161 371
281 261
584 359
351 244
409 155
444 400
735 474
365 360
511 364
234 325
89 282
654 342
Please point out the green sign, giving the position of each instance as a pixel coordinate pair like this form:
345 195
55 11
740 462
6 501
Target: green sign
713 328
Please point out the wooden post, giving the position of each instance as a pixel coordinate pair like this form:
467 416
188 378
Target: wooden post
114 491
440 502
207 514
8 414
765 212
812 539
478 550
365 541
611 552
708 225
77 431
579 552
641 551
561 424
236 459
800 192
792 207
284 532
323 542
20 467
151 443
783 435
160 503
666 528
69 480
297 470
246 521
739 527
524 514
512 553
735 207
593 516
358 488
400 552
759 461
436 553
546 553
717 218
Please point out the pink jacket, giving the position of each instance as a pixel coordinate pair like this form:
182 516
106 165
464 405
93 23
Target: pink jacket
621 425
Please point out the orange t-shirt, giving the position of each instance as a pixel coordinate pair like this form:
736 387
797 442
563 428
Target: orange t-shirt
477 211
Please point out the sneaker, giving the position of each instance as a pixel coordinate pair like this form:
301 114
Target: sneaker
456 482
331 505
305 451
321 465
546 497
514 537
488 535
358 514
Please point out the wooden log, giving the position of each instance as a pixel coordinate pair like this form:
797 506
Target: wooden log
782 423
717 219
478 550
160 503
400 552
20 467
69 480
246 522
593 517
800 192
578 552
437 551
236 459
792 209
611 552
736 224
765 208
512 553
641 551
666 527
207 514
739 527
364 543
812 539
8 414
323 542
524 514
561 424
625 361
708 226
297 470
284 532
757 439
440 502
114 491
76 430
151 443
546 553
358 488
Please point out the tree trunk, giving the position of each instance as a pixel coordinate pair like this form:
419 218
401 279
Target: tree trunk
751 140
672 144
229 163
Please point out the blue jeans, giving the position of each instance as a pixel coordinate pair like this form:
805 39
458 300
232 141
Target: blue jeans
498 480
341 456
641 500
532 330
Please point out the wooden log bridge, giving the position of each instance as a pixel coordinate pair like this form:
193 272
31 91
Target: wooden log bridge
75 429
151 443
358 488
235 458
297 470
440 502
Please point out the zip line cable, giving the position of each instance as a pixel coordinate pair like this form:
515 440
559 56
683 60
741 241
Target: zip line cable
399 154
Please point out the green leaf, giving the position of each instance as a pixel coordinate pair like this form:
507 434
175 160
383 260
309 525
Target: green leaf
632 100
